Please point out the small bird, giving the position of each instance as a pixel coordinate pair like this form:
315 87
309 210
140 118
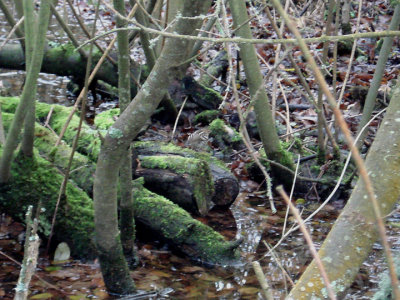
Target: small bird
199 139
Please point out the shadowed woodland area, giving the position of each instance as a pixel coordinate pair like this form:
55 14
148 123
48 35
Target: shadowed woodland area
235 149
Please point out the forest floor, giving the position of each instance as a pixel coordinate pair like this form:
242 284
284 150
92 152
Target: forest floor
161 272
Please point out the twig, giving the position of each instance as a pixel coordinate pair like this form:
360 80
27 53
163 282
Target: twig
309 241
177 118
265 288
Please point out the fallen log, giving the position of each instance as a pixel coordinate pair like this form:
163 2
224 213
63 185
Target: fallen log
177 227
187 181
226 186
36 180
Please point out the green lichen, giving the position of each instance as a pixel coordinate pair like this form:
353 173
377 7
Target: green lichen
115 133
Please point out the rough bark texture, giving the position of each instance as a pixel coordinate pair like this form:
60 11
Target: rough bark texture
351 238
187 181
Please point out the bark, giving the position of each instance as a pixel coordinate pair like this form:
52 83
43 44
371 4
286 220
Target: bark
127 223
354 233
378 74
226 185
186 180
63 60
265 121
30 29
217 67
39 180
198 241
27 97
125 129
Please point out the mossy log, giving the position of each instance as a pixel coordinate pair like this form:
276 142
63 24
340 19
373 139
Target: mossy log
187 181
82 169
195 239
35 180
226 186
63 60
89 143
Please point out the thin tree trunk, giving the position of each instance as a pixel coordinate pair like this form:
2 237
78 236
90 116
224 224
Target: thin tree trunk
27 96
265 121
30 24
118 139
378 74
125 173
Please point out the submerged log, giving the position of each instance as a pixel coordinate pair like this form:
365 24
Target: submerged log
226 186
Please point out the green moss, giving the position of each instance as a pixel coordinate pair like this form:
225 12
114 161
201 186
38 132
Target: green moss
35 180
169 148
286 158
105 119
88 142
224 134
206 117
200 178
178 226
82 168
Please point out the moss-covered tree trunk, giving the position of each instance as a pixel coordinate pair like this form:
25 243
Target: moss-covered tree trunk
118 139
355 231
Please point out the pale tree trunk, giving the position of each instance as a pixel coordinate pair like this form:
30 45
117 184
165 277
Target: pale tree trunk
27 96
30 23
355 231
118 139
265 120
378 74
125 172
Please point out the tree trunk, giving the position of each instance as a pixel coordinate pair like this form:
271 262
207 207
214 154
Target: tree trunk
121 134
355 231
265 120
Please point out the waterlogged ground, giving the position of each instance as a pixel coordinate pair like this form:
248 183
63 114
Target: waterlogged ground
162 273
